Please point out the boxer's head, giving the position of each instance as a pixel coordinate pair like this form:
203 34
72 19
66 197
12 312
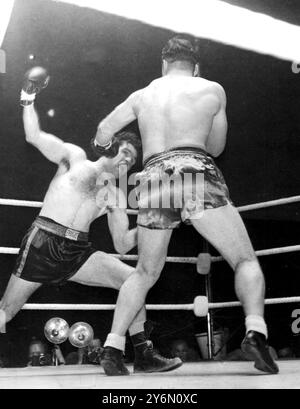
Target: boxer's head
182 52
125 150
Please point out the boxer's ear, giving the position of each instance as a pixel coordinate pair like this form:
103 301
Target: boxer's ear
164 67
197 70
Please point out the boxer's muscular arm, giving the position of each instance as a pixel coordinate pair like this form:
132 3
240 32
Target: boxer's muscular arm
121 116
53 148
118 223
217 137
124 239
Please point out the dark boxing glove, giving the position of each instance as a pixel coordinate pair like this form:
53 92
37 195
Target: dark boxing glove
109 150
35 80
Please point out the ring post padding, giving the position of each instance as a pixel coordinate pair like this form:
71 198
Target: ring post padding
203 263
200 306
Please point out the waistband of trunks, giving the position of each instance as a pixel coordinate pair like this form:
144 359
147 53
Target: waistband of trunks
180 150
49 225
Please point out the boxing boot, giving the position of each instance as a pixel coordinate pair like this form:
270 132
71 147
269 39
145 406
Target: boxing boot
112 361
256 349
148 359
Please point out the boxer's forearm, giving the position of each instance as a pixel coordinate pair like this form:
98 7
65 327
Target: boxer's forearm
124 239
121 116
31 123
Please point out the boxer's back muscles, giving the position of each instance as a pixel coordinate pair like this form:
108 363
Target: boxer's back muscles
182 111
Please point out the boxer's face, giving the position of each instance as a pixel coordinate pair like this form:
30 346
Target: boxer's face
125 159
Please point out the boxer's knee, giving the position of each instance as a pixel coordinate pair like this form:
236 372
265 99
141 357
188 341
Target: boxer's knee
6 314
3 321
250 267
119 278
149 272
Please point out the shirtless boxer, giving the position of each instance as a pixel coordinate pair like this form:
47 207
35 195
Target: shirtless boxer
56 248
183 124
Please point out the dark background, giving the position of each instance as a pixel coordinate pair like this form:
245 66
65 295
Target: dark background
95 61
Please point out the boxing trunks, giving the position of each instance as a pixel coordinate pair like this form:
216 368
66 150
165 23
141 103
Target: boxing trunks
178 185
51 253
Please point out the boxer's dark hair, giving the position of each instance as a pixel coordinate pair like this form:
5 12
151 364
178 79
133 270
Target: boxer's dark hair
129 137
117 140
181 48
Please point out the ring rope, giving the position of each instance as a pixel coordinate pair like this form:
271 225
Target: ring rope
21 203
269 203
104 307
267 252
185 260
268 301
152 307
9 250
254 206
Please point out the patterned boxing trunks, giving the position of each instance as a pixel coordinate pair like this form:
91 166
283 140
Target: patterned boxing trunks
178 185
51 253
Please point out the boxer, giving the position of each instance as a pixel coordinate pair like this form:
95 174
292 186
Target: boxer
183 125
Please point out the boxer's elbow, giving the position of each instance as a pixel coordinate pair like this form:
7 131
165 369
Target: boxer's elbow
119 242
216 144
125 243
216 152
120 247
32 137
29 137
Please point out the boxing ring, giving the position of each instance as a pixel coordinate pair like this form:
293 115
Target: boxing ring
192 376
202 375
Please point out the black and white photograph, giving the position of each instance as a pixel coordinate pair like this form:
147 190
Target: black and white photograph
149 197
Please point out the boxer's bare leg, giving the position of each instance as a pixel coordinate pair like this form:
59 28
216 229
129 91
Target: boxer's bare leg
152 249
16 294
224 229
104 270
